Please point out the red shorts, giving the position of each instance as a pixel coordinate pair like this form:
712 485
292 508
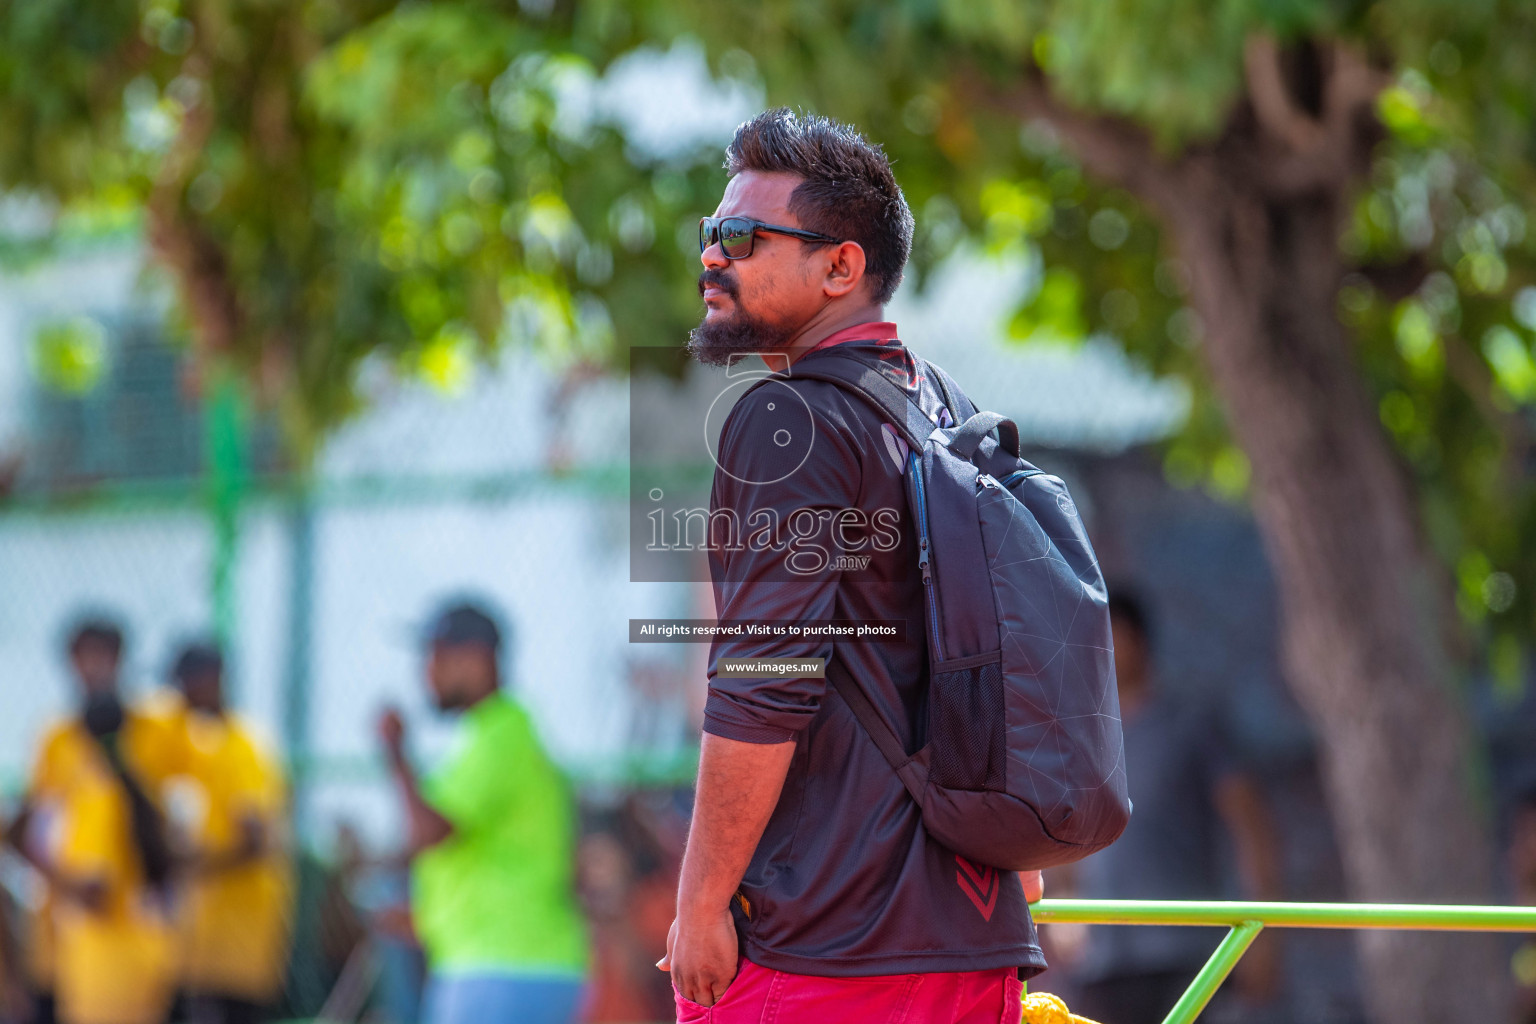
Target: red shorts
763 996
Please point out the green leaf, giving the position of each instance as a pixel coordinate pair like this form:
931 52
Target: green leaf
70 356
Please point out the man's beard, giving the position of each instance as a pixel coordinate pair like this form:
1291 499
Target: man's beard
450 703
719 341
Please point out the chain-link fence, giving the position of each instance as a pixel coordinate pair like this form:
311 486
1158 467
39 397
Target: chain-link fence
131 486
169 512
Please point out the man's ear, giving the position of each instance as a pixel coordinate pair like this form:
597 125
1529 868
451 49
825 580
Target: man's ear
845 269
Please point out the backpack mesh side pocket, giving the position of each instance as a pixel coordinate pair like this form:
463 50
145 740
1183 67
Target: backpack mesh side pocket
968 749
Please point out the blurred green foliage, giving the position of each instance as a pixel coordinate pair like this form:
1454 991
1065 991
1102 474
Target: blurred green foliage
1442 302
331 181
70 356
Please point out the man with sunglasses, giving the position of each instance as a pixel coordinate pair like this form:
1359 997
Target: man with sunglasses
809 889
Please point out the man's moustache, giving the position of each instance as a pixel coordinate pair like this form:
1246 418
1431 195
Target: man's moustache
717 280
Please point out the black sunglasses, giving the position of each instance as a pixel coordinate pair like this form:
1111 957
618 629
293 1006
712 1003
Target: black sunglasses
735 234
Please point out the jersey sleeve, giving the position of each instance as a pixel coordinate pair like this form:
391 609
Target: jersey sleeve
775 556
44 777
256 777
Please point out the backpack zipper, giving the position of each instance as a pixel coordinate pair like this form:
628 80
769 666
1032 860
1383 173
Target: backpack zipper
1019 474
922 552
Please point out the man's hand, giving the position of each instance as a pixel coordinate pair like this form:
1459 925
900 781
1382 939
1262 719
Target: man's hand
250 846
702 956
15 834
90 894
739 786
1034 886
1259 974
395 921
16 1003
425 824
392 733
1245 811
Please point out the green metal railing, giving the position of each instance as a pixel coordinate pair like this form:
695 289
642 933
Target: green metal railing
1244 921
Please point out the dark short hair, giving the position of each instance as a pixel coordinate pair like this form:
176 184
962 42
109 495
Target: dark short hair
196 660
95 630
1126 606
849 191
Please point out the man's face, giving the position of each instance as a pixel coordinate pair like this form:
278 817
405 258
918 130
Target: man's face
204 692
759 303
1130 655
460 674
95 666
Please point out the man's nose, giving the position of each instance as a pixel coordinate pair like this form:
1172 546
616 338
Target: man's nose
713 257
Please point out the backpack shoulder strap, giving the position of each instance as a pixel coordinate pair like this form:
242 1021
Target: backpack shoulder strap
892 402
960 405
889 399
882 735
897 407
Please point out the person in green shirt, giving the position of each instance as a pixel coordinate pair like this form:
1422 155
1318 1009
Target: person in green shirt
491 835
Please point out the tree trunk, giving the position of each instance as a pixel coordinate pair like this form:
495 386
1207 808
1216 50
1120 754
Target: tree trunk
1256 215
1364 634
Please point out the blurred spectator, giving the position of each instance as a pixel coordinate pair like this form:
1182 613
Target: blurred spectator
380 891
341 927
327 932
10 470
491 835
93 829
1522 868
15 1001
1186 786
629 870
236 909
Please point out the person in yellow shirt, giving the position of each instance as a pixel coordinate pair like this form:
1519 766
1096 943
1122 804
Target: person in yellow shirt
237 905
92 827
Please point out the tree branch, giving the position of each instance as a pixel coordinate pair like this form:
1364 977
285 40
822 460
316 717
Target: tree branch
196 258
1396 281
1337 145
1114 149
1468 369
1271 98
1350 90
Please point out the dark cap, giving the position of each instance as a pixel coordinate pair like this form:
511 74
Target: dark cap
197 660
463 624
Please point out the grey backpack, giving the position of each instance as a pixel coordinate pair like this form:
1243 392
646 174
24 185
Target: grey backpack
1023 765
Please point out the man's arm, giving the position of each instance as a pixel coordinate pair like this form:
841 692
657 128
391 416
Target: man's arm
250 847
1256 845
738 788
425 826
750 725
1246 814
90 892
16 837
259 795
